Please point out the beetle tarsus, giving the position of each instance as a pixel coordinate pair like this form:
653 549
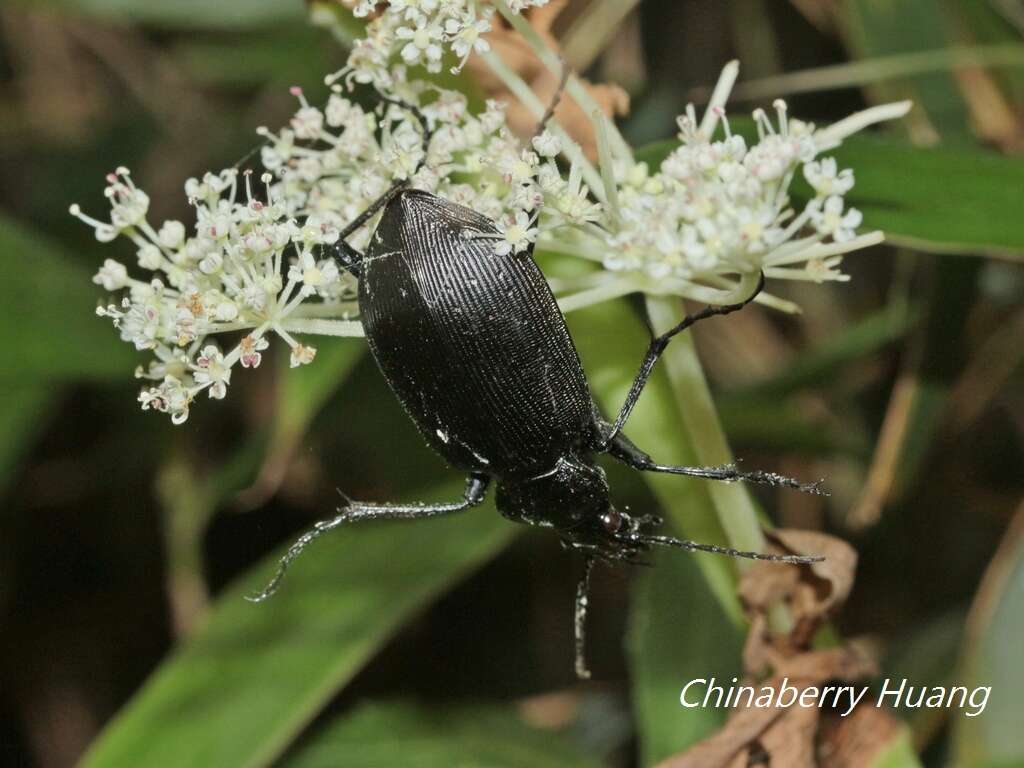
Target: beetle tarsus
729 473
350 512
293 552
695 546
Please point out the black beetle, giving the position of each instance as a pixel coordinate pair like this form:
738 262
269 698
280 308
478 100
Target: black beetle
478 353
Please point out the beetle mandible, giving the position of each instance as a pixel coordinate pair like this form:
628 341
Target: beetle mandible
475 348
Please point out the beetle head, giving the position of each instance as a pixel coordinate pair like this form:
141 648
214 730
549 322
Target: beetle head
568 495
574 499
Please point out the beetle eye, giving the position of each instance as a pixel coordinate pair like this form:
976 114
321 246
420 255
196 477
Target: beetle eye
611 520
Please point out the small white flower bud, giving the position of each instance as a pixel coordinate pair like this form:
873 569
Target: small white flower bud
211 263
547 144
301 355
226 311
112 275
149 257
172 234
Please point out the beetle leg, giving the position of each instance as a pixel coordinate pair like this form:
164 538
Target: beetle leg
555 99
580 618
622 448
353 511
658 345
375 206
348 258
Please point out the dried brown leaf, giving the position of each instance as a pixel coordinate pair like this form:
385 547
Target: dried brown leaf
837 569
788 735
790 741
810 592
720 749
847 662
510 47
517 55
854 741
797 736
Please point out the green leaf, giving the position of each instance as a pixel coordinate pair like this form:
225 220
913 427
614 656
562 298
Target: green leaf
822 365
302 394
928 656
944 199
992 657
784 425
52 333
397 734
188 14
255 675
304 390
256 60
764 413
677 633
52 329
898 753
22 406
879 27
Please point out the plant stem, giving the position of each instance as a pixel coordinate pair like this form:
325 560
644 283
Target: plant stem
589 34
732 502
611 289
323 326
186 511
859 73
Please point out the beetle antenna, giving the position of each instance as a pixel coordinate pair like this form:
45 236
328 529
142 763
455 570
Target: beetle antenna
426 132
556 98
580 618
694 546
245 158
372 209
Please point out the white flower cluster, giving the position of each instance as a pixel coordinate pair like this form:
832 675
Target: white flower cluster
419 31
225 278
719 207
257 265
716 209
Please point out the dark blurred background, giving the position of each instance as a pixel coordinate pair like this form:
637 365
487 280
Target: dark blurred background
902 388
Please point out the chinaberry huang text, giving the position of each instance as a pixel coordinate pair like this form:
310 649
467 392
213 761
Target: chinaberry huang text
895 693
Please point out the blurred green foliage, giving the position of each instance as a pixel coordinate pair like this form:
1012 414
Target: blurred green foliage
448 642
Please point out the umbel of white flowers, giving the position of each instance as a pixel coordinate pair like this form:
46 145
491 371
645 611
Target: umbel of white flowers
714 213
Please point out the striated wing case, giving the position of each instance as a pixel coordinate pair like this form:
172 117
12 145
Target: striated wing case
473 344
